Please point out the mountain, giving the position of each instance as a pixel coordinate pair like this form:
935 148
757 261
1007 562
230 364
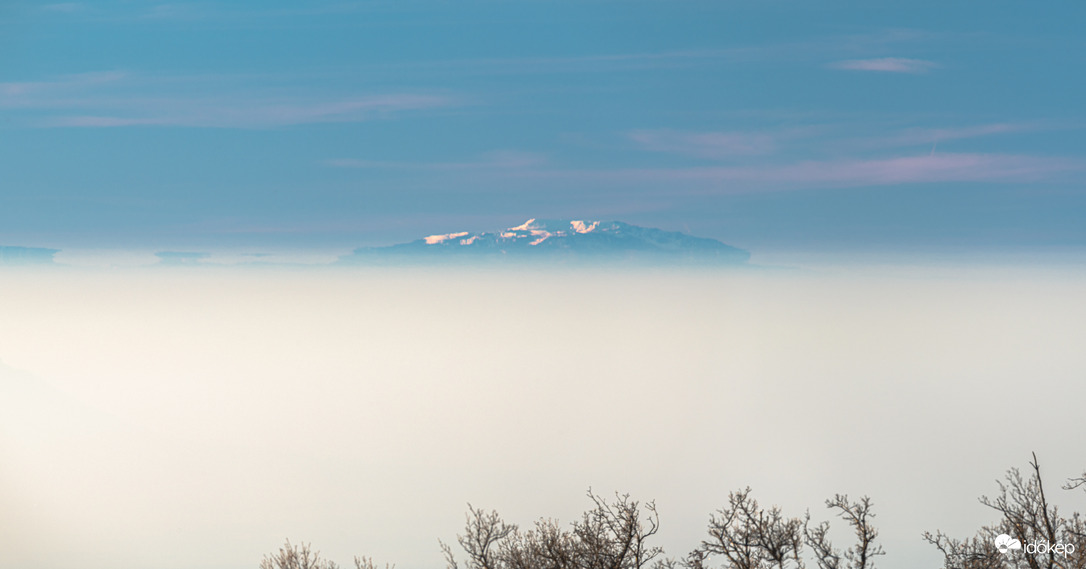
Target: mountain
562 240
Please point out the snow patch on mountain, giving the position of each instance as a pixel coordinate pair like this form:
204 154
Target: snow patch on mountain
435 239
526 226
580 226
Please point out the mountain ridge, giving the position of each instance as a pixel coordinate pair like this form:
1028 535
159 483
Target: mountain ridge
560 239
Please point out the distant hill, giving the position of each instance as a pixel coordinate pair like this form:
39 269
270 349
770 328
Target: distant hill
180 258
26 255
559 239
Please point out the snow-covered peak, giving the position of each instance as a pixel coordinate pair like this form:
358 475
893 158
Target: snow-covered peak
526 226
435 239
534 232
567 239
582 227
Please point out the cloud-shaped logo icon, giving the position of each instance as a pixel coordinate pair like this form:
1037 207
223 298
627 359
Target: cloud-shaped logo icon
1005 543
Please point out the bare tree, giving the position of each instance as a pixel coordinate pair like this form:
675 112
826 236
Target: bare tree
817 537
483 533
858 515
302 556
749 537
742 535
1028 517
1077 525
612 535
296 557
367 563
746 536
977 552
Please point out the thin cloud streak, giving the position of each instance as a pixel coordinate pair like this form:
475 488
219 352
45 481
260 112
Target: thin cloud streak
37 93
193 11
887 64
723 145
63 7
255 114
932 137
102 122
705 144
929 135
114 99
812 52
496 160
996 168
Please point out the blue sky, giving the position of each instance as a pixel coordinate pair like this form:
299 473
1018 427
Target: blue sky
769 125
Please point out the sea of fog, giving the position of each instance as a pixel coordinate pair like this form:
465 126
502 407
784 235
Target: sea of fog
196 417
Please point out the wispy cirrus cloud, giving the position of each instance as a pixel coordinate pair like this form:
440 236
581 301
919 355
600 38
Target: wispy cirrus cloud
887 65
929 135
141 12
812 51
713 145
219 12
495 160
777 175
217 113
100 122
934 137
43 93
961 167
914 169
722 145
117 99
63 7
173 11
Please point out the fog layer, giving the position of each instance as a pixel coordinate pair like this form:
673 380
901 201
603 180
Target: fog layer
162 419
